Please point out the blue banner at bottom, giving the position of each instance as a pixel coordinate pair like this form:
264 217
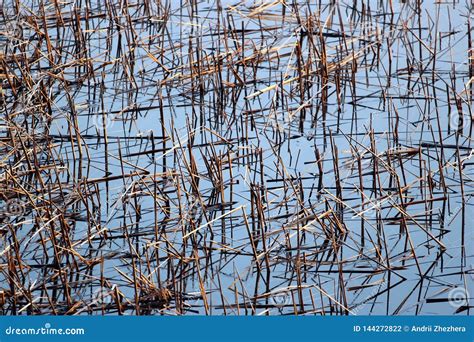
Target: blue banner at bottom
230 329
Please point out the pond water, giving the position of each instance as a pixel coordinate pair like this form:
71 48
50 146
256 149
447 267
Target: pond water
236 158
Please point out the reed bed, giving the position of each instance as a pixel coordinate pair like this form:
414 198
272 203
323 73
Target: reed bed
236 158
